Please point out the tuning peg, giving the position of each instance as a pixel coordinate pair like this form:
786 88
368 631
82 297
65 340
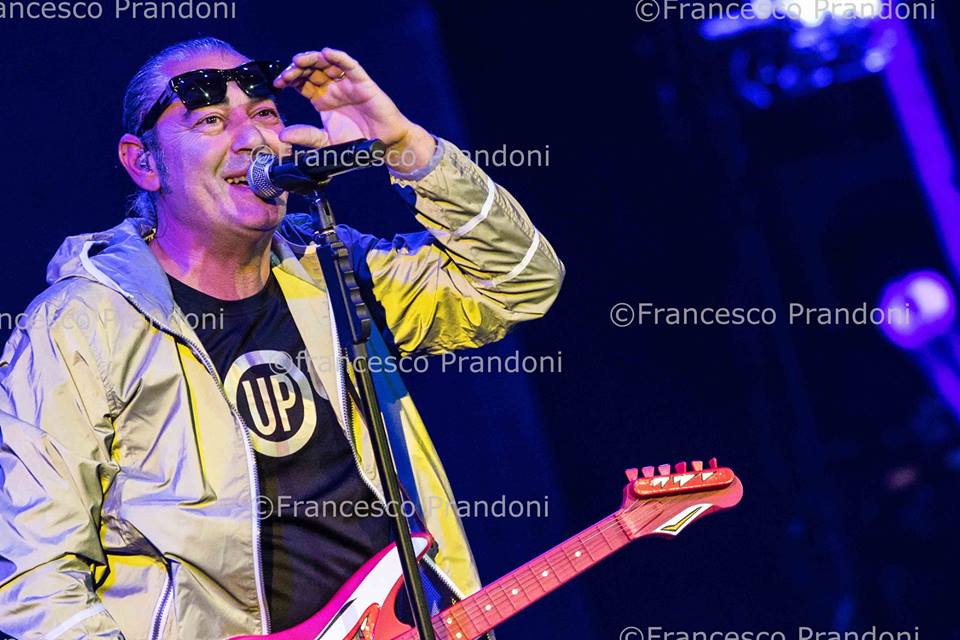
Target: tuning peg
712 463
664 469
697 465
681 467
648 472
632 474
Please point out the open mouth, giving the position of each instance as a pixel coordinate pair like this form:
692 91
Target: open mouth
238 180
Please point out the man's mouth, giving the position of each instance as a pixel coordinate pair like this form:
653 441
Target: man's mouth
238 180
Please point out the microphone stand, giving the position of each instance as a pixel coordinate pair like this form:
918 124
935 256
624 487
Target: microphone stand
353 322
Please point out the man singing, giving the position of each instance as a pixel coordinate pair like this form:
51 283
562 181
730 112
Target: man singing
150 463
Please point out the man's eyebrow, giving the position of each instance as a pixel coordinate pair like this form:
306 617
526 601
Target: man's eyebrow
188 113
257 101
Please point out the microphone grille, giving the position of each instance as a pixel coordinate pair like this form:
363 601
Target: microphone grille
258 176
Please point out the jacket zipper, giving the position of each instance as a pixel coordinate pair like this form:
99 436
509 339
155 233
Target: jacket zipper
160 613
254 488
345 407
255 496
348 423
255 481
251 468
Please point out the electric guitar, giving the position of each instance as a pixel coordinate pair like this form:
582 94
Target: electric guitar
656 503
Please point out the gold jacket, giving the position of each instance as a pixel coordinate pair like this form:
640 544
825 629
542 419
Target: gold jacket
129 489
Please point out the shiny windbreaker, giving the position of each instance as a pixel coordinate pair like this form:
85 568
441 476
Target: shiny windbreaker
129 488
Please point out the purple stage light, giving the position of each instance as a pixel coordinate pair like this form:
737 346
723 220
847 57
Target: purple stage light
923 307
782 49
812 13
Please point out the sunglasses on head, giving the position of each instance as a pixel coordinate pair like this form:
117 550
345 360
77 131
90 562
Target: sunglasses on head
205 87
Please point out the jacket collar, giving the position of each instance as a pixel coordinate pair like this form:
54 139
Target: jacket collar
120 259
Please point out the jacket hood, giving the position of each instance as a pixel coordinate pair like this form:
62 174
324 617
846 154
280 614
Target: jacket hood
120 259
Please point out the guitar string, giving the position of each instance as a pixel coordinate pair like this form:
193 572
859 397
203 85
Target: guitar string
596 532
527 579
478 615
470 602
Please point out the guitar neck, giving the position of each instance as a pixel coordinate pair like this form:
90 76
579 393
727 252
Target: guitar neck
502 599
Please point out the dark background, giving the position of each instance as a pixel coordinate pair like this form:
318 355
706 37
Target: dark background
663 186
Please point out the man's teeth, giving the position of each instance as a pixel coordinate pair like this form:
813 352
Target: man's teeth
239 180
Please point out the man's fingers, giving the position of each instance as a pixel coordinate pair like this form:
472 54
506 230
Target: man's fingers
314 59
291 77
321 77
333 72
304 135
339 58
300 69
346 64
320 67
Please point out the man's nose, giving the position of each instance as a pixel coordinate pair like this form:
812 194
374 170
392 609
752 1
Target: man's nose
247 136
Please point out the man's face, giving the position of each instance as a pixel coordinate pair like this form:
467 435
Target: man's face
204 147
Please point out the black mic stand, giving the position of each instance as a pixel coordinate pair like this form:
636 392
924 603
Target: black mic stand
353 323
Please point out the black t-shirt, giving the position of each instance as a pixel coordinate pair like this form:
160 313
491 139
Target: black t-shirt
309 549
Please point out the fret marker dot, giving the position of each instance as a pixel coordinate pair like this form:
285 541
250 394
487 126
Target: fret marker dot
545 574
488 607
514 592
459 635
449 620
577 554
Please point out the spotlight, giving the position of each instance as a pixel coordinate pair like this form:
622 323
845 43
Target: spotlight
927 308
791 48
811 13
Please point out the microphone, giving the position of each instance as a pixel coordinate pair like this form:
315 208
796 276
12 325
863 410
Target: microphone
308 167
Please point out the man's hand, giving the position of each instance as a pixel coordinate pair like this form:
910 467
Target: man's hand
352 106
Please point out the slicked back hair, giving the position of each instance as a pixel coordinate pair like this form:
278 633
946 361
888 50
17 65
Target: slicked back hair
145 87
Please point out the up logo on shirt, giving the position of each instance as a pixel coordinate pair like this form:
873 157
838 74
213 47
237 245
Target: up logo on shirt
275 399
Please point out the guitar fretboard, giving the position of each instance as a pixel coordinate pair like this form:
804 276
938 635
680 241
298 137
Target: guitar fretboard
500 600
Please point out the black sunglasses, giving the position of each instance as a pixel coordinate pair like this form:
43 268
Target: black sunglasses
204 87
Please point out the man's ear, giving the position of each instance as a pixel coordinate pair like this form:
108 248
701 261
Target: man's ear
138 162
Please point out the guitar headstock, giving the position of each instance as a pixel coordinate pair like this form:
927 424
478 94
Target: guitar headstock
663 500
